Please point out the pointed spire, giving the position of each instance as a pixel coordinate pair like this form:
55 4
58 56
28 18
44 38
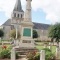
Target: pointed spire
18 6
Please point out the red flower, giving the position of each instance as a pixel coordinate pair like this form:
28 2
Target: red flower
4 47
34 53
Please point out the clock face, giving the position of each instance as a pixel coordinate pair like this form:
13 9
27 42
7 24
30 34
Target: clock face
27 32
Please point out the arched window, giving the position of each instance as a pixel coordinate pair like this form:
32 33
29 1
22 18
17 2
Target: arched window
21 15
14 14
18 16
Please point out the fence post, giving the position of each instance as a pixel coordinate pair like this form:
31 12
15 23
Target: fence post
42 55
13 54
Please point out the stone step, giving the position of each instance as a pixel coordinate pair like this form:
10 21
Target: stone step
22 55
22 52
22 59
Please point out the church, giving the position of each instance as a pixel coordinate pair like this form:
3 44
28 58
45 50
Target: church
17 17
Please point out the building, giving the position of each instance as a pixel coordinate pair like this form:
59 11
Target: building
17 17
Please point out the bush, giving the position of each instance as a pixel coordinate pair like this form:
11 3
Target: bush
31 55
37 40
17 56
48 54
36 56
5 54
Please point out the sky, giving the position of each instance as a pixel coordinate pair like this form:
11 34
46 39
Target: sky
43 11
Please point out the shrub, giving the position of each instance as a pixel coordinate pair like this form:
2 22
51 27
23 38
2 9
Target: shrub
5 54
17 55
37 56
48 54
31 55
1 33
4 47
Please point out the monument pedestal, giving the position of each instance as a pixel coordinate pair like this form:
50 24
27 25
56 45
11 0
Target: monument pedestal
27 43
26 40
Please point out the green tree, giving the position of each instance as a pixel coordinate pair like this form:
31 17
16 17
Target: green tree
13 34
54 33
1 33
35 34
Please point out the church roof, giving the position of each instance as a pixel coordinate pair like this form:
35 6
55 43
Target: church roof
41 26
18 6
36 25
7 23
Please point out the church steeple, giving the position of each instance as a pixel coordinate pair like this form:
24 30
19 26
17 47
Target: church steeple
17 12
18 6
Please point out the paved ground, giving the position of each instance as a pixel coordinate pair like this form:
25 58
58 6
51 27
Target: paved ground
22 59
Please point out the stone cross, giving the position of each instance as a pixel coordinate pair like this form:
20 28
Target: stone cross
42 55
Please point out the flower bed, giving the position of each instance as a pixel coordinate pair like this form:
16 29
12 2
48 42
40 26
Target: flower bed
36 55
5 53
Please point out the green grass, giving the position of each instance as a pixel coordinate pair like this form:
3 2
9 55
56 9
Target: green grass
53 49
41 46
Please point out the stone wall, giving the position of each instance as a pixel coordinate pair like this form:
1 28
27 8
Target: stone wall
42 34
6 30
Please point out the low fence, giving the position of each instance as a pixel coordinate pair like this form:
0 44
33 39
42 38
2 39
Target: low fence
13 57
3 43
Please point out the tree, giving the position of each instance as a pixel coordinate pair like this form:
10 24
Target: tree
54 33
13 34
1 33
35 34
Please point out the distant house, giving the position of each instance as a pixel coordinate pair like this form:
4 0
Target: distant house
17 17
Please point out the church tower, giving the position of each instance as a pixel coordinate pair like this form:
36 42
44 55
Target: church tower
17 15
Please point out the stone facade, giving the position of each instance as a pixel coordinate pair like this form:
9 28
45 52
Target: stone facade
18 16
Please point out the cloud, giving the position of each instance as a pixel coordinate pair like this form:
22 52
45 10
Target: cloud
7 6
50 7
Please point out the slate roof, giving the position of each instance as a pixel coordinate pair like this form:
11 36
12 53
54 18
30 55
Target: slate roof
7 23
41 26
36 25
18 6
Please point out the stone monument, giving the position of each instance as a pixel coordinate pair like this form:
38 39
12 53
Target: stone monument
27 28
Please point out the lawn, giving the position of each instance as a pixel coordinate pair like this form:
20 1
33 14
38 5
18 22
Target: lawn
40 46
5 40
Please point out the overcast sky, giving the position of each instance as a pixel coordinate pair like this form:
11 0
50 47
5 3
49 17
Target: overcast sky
43 11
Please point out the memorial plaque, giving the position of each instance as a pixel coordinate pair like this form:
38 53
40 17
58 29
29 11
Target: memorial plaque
27 32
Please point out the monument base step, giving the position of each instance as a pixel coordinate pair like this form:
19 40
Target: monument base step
21 56
24 51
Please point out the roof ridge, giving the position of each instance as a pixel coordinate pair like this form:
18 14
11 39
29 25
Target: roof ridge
41 23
